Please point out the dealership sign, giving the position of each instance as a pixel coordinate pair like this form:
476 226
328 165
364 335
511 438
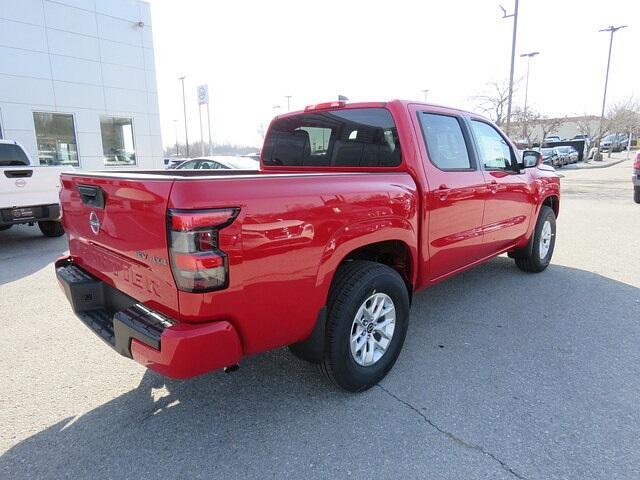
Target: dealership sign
203 94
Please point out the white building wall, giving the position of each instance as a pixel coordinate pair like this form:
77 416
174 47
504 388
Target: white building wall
84 57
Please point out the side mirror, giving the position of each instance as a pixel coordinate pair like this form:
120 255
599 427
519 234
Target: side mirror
530 159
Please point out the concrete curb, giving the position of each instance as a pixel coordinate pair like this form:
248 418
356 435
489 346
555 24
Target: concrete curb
616 162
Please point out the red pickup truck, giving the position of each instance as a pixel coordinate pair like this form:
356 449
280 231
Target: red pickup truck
356 207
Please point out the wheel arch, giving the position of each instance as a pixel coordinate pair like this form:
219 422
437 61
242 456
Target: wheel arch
552 201
396 253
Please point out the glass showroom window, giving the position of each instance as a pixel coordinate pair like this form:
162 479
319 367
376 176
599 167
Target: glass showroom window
117 141
56 137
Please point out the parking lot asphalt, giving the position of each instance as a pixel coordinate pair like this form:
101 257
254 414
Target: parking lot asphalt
503 375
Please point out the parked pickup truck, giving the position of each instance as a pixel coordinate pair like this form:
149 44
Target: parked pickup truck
28 194
356 208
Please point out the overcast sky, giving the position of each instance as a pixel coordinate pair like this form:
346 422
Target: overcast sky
253 53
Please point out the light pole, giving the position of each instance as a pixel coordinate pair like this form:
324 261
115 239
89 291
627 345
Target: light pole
529 56
288 97
613 30
184 107
513 58
426 92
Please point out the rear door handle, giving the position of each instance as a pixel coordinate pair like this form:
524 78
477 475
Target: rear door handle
442 192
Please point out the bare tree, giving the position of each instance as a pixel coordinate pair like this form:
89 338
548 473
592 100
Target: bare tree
494 102
524 125
624 117
587 125
550 125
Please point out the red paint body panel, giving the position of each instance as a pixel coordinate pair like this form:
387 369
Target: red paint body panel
283 248
294 228
133 220
189 350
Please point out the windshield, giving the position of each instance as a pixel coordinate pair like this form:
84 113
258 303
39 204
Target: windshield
356 137
12 155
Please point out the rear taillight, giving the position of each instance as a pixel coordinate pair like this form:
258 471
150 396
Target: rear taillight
636 164
197 261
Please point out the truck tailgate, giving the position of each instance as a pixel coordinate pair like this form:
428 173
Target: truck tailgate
28 186
117 231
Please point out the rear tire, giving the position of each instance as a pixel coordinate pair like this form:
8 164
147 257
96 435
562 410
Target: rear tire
359 286
544 241
636 194
51 228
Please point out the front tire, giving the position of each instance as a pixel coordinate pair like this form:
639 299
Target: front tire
51 228
544 241
368 316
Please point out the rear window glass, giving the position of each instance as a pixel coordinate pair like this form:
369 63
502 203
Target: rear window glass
445 142
12 155
359 137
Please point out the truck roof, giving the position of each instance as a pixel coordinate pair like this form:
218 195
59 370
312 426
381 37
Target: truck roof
399 102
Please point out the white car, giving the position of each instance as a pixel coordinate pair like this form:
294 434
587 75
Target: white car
220 162
28 194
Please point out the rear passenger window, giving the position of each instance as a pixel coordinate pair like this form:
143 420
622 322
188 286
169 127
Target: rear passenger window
353 137
445 142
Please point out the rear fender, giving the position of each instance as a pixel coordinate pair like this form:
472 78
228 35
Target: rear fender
358 235
342 243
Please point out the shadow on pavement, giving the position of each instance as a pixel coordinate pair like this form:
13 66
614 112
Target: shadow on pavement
24 250
483 333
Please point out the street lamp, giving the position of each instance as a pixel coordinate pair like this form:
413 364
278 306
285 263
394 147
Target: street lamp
613 30
529 56
288 97
425 91
513 58
184 107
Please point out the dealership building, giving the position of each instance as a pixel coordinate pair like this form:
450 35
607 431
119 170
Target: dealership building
78 82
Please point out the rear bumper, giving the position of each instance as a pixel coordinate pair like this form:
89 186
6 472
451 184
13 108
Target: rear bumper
39 213
176 350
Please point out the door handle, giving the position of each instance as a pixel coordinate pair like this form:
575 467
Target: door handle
18 173
91 195
442 192
493 186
